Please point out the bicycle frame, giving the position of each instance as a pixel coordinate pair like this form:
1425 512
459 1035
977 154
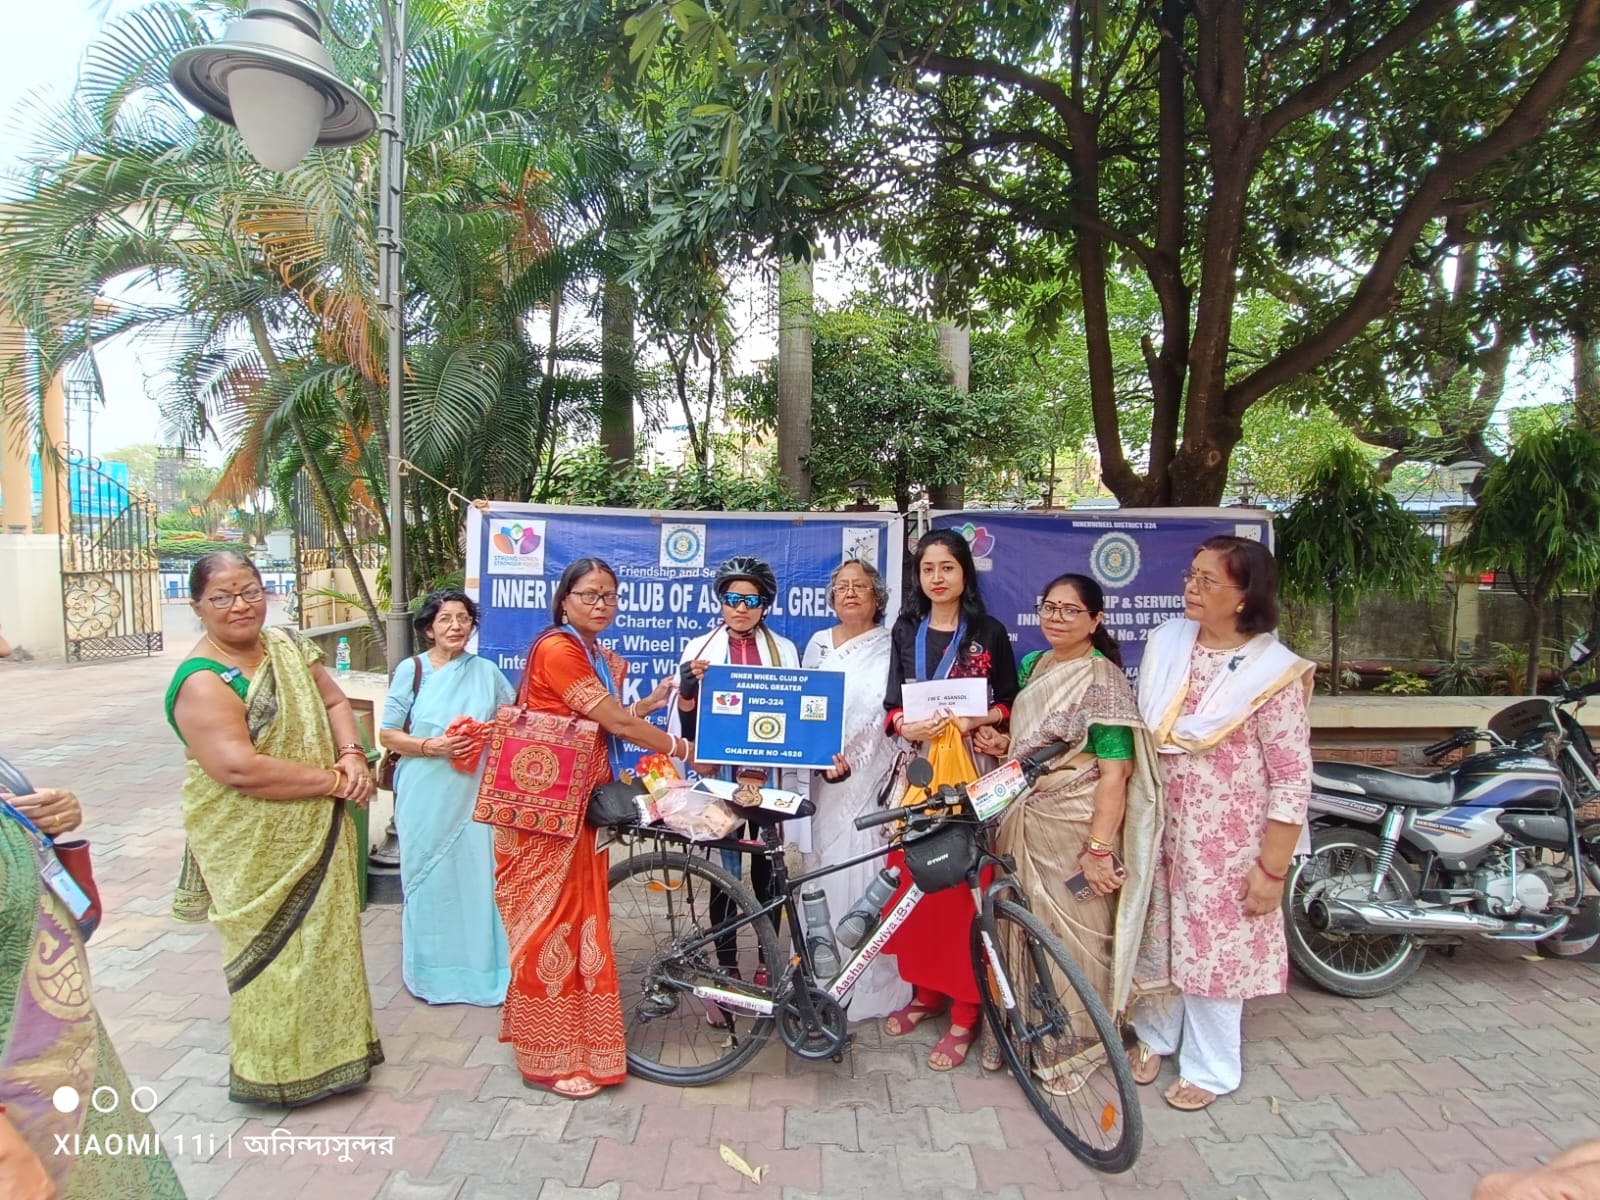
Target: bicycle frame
755 1003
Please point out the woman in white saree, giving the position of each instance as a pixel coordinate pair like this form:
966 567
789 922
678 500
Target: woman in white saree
858 646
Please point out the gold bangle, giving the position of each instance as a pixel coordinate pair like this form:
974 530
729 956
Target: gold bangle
338 778
1104 847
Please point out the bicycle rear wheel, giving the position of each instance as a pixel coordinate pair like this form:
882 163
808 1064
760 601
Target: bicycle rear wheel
661 905
1060 1042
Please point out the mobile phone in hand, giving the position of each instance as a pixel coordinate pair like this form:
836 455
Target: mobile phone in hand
1078 884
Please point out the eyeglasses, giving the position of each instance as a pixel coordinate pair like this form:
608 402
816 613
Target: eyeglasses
222 601
851 589
1207 584
1067 612
463 619
595 599
734 600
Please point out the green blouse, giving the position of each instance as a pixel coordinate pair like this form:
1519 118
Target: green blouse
232 676
1105 741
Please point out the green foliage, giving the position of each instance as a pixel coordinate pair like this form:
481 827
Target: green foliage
1459 677
1538 515
884 412
1511 668
587 477
1281 449
1402 683
1035 156
180 547
1346 537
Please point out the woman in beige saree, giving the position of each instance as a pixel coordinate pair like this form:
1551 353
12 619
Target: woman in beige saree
275 757
1099 812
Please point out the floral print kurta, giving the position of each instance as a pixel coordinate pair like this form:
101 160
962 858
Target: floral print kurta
1218 804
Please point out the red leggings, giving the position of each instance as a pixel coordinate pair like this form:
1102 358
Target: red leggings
963 1015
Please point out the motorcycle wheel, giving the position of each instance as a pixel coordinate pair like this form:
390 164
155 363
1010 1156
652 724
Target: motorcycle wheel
1341 865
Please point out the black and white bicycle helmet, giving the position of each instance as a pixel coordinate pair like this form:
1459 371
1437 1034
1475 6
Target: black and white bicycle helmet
751 570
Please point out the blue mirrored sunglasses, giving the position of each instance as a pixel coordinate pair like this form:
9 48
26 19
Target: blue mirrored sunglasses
734 600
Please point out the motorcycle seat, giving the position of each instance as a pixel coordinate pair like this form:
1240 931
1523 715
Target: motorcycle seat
1390 787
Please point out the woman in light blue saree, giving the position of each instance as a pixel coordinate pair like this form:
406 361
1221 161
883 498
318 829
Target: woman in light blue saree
454 943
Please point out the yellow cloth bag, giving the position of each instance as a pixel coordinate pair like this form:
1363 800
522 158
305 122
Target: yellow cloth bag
952 763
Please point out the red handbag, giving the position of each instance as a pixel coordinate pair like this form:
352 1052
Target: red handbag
539 773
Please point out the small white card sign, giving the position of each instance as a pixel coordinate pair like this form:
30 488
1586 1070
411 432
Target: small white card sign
963 697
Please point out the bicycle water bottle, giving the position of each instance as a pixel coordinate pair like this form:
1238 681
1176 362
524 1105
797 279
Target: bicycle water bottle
819 933
863 915
341 657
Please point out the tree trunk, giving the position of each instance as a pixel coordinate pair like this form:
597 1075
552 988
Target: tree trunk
320 489
955 348
1586 381
795 318
1335 666
616 371
1535 641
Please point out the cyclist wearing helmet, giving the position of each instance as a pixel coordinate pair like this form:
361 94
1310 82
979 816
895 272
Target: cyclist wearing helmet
746 587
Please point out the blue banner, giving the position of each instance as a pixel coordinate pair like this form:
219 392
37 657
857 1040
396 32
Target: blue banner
665 562
1137 556
770 717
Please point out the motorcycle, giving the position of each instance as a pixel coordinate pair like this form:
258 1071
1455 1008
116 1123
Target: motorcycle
1490 847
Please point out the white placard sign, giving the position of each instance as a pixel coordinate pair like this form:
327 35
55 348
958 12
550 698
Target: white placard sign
963 697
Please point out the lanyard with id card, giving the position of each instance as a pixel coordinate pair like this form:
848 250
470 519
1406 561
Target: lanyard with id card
51 872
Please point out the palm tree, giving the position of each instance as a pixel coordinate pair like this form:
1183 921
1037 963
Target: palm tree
267 281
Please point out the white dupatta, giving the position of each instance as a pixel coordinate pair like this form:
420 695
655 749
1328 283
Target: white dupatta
1259 670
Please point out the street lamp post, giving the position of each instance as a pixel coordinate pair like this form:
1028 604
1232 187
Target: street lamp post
271 77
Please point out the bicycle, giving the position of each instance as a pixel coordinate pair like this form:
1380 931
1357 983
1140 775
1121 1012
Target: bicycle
684 932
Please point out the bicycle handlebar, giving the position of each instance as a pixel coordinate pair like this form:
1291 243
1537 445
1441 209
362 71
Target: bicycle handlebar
1033 765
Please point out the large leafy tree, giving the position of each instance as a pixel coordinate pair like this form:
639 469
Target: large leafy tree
1538 520
1212 150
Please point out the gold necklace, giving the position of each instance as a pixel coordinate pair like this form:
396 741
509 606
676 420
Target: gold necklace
248 666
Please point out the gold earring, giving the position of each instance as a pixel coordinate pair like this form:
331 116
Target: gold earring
1240 609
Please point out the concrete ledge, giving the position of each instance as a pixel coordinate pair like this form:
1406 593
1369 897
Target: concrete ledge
1390 731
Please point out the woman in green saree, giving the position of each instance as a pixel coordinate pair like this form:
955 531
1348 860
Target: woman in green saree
51 1037
274 759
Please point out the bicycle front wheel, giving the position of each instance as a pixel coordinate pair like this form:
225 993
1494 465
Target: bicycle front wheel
1056 1035
666 910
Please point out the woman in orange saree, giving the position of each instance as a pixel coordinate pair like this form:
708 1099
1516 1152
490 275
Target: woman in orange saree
563 1012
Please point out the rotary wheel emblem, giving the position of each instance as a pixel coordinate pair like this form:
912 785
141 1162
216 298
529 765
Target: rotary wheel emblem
534 768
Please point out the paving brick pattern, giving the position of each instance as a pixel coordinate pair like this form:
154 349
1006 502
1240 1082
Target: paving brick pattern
1484 1060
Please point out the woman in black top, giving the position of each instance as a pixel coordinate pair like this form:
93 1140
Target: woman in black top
944 632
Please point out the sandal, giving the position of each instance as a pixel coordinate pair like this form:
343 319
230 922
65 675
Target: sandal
1146 1064
1186 1097
908 1018
574 1088
989 1056
1060 1082
954 1047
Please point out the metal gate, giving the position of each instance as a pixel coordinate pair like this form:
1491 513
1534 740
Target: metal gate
110 579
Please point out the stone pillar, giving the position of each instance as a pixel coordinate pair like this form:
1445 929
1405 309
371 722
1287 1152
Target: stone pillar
16 482
52 469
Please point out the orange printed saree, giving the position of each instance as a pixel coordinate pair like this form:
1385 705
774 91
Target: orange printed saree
563 1013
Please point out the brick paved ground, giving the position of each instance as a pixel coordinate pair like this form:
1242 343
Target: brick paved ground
1483 1060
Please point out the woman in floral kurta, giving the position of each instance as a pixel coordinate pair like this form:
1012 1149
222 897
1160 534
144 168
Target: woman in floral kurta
1226 703
1218 804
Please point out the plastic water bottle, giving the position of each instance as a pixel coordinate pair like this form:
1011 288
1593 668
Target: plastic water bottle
864 913
819 933
341 657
